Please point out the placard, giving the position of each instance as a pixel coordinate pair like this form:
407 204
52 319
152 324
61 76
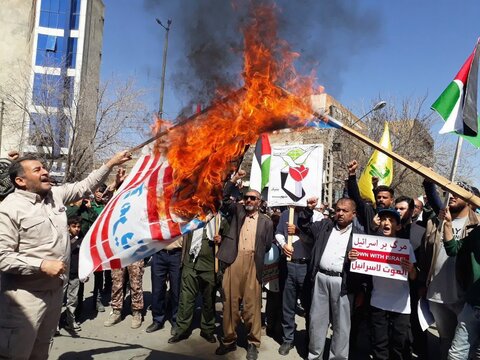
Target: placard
295 174
380 256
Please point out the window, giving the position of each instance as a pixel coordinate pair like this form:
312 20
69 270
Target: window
54 13
52 90
72 53
75 18
48 130
51 51
51 44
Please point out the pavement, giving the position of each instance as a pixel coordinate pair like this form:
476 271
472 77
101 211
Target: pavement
120 342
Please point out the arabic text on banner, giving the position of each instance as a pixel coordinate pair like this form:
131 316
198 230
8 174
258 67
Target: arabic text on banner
380 256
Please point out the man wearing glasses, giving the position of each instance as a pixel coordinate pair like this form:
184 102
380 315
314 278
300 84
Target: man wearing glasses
242 250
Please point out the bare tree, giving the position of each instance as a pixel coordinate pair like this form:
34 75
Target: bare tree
411 123
69 124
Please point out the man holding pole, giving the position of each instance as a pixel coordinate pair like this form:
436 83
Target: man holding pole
297 282
243 250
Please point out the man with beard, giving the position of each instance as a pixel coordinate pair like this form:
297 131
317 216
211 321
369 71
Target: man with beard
365 212
445 285
243 250
467 252
34 255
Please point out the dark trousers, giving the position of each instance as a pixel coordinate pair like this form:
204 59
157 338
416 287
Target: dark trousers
99 288
390 334
165 263
193 283
297 285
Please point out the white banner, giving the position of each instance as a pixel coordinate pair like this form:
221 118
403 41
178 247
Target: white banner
380 256
295 174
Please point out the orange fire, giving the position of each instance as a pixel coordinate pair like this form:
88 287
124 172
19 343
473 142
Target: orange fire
203 151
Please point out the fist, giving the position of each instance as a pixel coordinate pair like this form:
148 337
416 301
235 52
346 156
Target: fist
352 167
217 239
288 250
312 203
291 229
52 268
353 255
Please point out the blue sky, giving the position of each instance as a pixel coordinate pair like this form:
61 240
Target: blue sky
380 48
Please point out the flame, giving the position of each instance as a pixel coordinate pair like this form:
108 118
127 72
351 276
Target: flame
203 151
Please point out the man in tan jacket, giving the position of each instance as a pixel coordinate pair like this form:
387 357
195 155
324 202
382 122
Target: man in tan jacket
34 255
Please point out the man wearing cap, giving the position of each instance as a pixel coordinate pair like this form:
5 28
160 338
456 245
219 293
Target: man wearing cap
334 286
243 251
34 255
390 301
443 276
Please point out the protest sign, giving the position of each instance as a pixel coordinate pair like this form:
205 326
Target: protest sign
295 174
380 256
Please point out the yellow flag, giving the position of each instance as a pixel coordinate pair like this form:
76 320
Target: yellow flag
379 165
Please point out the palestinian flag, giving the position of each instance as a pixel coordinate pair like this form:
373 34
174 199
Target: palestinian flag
457 105
260 171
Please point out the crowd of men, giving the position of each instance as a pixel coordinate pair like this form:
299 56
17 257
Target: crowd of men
42 226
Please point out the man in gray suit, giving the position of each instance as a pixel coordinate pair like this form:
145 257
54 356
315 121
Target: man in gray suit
242 250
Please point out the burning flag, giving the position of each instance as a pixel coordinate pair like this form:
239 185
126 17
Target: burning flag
457 105
134 222
379 165
173 189
261 164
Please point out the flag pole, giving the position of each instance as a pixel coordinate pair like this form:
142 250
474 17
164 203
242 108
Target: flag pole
415 166
453 171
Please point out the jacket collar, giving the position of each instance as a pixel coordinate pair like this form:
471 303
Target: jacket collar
28 195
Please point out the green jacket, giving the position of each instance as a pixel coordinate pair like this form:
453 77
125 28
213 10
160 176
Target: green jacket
467 251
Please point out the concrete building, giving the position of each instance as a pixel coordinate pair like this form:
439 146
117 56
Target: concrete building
49 76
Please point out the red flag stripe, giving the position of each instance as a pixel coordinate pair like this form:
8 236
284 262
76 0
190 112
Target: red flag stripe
173 227
143 173
96 259
152 206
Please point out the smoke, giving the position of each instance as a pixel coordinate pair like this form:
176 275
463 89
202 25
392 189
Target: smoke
326 34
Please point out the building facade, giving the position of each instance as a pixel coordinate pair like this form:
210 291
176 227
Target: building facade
49 75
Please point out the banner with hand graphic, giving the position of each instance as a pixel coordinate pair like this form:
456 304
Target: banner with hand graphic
295 174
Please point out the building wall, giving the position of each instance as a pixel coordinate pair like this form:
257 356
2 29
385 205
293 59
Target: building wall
52 44
17 19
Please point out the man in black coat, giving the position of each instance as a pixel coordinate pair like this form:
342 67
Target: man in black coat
243 250
334 285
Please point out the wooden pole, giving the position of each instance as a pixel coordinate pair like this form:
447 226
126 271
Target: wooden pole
218 219
291 212
183 122
420 169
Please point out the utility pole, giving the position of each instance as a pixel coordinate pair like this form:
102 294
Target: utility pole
164 65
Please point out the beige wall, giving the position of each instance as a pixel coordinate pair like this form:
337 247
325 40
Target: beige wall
17 19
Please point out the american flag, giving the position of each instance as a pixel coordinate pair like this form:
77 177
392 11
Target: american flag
136 222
